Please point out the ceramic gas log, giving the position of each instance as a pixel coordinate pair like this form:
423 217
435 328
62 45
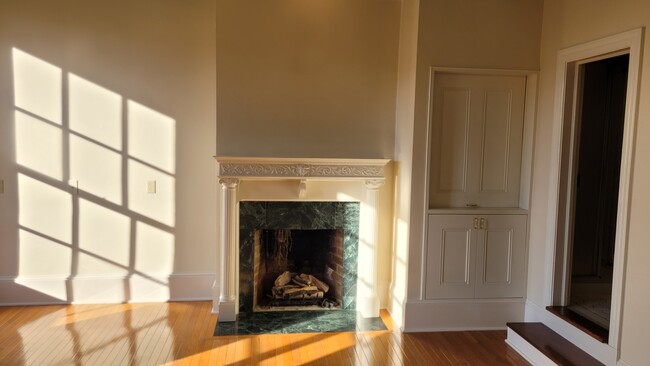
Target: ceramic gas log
292 289
298 269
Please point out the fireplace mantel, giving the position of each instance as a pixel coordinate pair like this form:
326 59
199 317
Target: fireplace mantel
301 168
233 170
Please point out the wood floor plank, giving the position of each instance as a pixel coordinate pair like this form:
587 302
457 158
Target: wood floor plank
181 334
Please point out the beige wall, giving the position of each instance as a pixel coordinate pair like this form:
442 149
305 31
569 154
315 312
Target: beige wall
111 94
495 34
306 78
568 23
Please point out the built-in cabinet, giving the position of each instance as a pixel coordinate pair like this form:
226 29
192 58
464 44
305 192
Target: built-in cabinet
475 256
476 225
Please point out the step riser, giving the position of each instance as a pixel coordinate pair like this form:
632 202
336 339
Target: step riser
542 346
527 351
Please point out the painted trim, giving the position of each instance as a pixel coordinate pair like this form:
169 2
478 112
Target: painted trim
90 289
461 314
633 41
301 168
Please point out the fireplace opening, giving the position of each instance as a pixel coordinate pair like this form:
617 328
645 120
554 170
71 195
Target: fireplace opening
296 269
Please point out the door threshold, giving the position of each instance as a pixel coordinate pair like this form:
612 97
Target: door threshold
589 327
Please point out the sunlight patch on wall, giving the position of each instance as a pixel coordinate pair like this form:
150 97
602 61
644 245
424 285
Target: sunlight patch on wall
39 145
37 86
45 209
105 234
159 206
79 239
152 137
41 257
154 249
95 112
97 169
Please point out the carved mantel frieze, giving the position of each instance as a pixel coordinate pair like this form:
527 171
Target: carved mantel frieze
301 169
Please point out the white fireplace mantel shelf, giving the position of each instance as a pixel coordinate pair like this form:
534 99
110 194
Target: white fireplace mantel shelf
301 168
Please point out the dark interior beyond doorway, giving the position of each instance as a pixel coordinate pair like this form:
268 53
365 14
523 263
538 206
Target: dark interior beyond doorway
601 112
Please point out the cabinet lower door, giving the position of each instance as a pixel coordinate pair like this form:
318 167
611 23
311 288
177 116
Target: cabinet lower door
500 253
451 257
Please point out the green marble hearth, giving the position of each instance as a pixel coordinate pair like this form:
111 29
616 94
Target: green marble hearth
284 322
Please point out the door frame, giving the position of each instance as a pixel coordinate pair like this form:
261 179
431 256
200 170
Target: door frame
562 166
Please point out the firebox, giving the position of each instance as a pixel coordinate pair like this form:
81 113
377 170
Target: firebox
297 269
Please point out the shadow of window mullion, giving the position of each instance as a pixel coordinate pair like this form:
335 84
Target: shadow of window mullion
67 177
125 199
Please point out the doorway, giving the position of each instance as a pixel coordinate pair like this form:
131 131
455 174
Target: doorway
599 126
563 179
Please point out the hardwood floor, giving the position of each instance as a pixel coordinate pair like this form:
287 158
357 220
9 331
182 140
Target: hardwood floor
181 334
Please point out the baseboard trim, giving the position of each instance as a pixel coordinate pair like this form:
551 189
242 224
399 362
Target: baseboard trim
603 352
460 315
86 289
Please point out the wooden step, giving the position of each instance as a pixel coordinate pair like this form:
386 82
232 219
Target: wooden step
580 322
552 345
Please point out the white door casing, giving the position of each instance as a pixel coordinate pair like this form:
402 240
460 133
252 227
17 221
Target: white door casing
558 208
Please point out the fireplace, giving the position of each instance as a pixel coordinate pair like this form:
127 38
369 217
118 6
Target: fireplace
297 269
298 255
265 199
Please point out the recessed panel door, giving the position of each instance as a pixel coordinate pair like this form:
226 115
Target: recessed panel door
501 254
451 257
476 140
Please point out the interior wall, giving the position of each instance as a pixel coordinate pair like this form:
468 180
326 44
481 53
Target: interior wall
98 100
569 23
494 34
306 78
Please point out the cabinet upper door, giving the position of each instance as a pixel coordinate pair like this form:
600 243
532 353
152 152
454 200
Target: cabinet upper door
476 140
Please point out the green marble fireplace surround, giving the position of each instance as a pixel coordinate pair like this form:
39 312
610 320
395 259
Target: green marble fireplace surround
255 215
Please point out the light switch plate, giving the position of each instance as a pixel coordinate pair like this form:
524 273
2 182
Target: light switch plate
151 186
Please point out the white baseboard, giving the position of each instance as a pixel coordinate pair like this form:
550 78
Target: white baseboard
603 352
86 289
458 314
